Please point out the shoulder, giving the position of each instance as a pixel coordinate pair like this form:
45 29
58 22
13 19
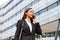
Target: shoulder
18 23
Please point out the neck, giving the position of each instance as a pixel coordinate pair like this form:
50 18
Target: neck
28 19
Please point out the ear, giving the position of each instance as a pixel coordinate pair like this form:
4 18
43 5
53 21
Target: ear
25 13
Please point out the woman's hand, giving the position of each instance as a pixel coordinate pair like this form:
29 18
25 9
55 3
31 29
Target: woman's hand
35 20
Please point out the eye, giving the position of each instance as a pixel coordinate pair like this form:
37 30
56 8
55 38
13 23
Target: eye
30 11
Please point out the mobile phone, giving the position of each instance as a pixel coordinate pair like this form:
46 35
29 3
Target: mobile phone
33 17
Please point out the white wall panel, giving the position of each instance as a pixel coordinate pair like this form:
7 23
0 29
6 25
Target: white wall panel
49 2
8 33
10 22
40 5
14 2
16 9
4 3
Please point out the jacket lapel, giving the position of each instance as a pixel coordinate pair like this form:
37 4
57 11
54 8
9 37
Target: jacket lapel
27 25
29 28
33 28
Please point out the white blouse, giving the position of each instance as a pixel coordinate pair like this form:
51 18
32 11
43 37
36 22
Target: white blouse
29 24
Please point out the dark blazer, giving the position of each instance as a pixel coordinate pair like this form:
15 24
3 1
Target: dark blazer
26 34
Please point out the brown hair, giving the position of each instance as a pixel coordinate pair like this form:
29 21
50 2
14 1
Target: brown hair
24 16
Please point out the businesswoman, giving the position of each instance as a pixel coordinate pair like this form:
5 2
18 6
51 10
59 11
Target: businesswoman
30 26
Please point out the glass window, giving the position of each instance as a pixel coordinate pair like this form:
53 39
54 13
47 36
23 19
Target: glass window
43 10
37 13
34 2
21 0
22 10
1 23
52 6
0 9
28 6
39 0
59 3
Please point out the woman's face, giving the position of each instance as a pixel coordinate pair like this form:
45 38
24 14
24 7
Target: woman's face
30 13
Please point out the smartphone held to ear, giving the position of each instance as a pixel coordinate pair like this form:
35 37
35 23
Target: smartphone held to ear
33 17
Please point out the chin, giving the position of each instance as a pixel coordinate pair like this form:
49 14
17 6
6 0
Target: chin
31 16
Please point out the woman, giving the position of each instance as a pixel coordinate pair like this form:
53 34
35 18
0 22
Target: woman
30 26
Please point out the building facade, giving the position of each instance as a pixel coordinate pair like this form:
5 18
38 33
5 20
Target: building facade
46 11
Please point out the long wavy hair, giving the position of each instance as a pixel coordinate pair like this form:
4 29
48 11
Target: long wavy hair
24 16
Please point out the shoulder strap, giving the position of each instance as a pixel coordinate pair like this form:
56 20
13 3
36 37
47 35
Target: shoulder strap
21 30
